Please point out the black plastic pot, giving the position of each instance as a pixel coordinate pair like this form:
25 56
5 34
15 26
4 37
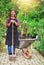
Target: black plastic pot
32 36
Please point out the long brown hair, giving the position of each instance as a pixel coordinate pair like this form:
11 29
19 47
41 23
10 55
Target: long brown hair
10 13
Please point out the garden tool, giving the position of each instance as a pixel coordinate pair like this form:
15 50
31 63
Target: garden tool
13 55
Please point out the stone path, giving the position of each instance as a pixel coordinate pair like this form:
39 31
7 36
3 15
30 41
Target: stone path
36 59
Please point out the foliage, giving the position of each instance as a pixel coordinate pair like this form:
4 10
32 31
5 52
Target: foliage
26 5
4 8
31 19
35 22
2 31
39 45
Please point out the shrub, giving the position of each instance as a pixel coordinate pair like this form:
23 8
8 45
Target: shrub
39 45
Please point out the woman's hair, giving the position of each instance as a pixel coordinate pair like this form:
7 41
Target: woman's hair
10 13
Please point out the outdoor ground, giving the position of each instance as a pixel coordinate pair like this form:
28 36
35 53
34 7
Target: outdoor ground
36 59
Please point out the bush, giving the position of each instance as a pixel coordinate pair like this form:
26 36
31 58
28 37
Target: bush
39 45
33 28
2 31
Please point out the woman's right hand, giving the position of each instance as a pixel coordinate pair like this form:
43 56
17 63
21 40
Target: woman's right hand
9 23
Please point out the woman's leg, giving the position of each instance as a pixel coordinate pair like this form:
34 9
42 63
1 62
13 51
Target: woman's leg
11 58
9 49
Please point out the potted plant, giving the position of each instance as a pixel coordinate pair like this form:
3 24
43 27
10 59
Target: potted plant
25 30
33 29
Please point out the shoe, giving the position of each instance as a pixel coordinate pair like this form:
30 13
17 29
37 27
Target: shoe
12 57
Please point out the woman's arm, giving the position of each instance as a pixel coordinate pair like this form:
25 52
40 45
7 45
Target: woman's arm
17 23
8 22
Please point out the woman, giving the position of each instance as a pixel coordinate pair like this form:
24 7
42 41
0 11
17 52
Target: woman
12 19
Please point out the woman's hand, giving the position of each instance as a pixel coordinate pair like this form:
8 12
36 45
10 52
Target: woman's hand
12 21
16 23
9 23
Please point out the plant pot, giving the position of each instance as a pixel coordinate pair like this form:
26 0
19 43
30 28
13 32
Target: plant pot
33 36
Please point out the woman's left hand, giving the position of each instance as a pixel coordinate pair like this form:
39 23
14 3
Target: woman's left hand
17 24
12 21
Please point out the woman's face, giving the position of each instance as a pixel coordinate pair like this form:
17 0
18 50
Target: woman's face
13 13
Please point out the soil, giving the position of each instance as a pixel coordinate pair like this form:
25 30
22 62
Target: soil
41 53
